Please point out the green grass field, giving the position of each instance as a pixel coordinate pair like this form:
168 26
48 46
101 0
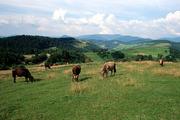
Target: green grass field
94 56
138 91
154 50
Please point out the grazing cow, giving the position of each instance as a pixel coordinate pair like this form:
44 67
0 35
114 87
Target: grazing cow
47 65
22 72
108 66
161 62
76 71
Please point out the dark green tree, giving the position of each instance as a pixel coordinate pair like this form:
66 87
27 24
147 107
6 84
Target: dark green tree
117 55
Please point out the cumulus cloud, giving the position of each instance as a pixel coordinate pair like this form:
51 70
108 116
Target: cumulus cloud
59 14
101 23
166 26
97 19
3 21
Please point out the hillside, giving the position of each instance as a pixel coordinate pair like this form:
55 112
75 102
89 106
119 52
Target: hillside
26 44
111 41
146 48
132 46
94 57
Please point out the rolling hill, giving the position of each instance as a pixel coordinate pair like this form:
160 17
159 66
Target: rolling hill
131 45
146 48
27 44
111 41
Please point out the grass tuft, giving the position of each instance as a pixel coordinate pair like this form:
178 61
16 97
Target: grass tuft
130 82
78 88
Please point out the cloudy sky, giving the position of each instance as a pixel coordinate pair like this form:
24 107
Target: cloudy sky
145 18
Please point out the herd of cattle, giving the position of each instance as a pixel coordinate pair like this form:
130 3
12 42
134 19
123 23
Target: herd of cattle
108 66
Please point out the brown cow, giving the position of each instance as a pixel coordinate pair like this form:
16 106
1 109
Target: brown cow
108 66
76 71
22 72
161 62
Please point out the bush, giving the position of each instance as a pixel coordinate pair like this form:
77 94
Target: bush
170 58
116 55
38 58
104 55
159 56
126 59
142 57
9 58
107 55
4 67
68 57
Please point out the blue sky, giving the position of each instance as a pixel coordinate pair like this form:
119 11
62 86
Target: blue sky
145 18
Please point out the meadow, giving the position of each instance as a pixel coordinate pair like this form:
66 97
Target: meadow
154 50
138 91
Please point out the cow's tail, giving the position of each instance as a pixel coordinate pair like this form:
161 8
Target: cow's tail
114 68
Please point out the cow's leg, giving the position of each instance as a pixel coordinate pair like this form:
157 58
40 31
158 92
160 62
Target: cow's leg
26 79
111 72
102 74
14 79
106 73
30 80
77 76
73 78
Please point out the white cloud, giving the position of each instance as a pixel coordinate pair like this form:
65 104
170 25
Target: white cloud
3 21
98 23
167 26
59 14
97 19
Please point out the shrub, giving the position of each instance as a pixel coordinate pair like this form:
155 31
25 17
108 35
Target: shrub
38 58
68 57
117 55
9 58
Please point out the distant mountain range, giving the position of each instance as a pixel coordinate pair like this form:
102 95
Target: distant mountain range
117 41
110 37
122 38
174 39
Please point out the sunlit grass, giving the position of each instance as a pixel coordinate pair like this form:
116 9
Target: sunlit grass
139 90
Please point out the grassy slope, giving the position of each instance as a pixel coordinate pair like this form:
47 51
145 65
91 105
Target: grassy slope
153 50
138 91
94 56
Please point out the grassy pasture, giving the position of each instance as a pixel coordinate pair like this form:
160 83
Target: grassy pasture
94 56
153 50
139 90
